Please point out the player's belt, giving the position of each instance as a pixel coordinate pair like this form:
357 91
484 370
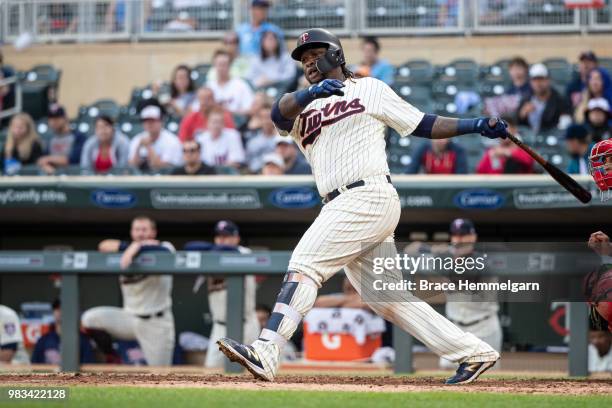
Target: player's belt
473 322
342 189
147 317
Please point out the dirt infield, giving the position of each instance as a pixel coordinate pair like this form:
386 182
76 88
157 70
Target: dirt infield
317 383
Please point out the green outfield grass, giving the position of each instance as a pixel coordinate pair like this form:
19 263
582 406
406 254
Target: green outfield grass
136 397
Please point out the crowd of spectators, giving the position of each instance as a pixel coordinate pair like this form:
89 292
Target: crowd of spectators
226 118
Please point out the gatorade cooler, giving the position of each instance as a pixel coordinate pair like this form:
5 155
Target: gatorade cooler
341 334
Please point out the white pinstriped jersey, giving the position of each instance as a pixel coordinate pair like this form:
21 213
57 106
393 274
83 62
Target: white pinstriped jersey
343 137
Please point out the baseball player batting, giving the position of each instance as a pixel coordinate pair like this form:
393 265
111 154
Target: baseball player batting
339 124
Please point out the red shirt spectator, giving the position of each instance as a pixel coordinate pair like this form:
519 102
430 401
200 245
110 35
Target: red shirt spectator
505 159
441 156
197 121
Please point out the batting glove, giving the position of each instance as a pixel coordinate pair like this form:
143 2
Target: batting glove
492 128
326 88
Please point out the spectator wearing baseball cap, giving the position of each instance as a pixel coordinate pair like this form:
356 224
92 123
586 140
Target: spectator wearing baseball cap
587 62
250 33
192 161
597 118
65 145
273 165
578 145
154 148
542 110
295 163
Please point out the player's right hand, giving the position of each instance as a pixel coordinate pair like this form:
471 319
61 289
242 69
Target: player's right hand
326 88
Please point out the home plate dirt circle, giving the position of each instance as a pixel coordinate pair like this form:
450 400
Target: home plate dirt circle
317 383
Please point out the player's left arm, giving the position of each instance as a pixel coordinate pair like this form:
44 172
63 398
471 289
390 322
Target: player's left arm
440 127
407 119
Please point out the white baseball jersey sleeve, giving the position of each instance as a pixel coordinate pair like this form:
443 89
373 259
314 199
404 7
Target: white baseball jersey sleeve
147 294
10 328
343 137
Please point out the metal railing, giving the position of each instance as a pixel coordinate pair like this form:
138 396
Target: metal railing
234 267
411 17
104 20
67 20
601 19
496 16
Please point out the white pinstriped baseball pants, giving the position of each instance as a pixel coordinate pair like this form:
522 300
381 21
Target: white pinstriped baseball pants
349 233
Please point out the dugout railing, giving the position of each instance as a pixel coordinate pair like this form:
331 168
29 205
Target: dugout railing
234 266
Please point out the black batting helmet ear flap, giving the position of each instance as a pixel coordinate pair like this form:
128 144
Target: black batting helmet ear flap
333 58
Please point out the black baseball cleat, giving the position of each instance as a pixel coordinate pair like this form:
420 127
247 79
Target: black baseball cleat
468 372
246 356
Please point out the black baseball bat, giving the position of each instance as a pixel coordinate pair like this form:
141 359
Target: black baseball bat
561 177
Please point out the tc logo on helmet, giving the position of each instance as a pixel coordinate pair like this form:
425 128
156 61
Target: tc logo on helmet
304 37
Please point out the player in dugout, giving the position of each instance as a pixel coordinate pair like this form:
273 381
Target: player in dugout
146 315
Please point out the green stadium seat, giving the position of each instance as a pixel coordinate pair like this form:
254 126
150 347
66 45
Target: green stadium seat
414 93
47 73
35 98
415 72
490 87
606 63
463 71
559 70
107 107
275 90
130 127
199 72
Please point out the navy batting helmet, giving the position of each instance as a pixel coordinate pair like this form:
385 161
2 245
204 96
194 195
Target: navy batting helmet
317 38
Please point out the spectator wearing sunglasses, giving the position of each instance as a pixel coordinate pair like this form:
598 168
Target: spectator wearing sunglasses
193 165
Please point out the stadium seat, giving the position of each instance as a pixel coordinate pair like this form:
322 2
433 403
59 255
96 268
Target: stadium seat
107 107
130 128
463 71
35 98
491 87
172 123
559 70
43 131
275 90
198 74
415 72
606 63
498 71
46 73
414 93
